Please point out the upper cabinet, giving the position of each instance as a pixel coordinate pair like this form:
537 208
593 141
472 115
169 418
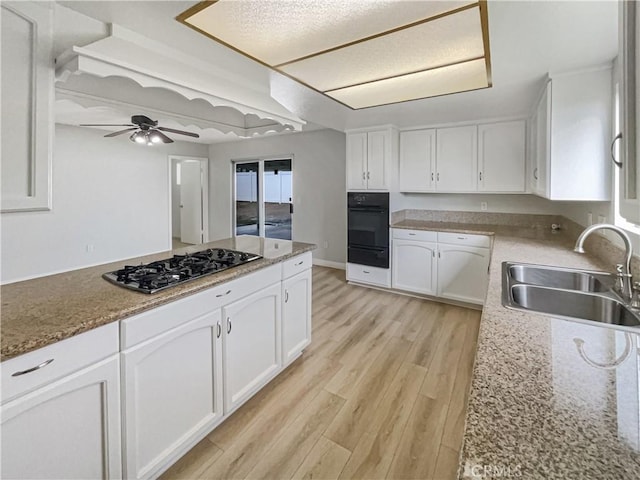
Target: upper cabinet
26 97
371 159
472 158
629 192
571 137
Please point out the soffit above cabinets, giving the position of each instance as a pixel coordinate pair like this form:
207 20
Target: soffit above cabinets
145 68
361 53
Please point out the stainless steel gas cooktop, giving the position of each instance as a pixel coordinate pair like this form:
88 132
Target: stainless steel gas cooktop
162 274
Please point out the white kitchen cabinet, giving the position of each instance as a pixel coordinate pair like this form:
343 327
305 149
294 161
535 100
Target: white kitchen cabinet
462 272
417 161
629 56
68 429
501 157
251 344
27 105
296 315
457 159
172 393
446 265
573 137
371 158
414 266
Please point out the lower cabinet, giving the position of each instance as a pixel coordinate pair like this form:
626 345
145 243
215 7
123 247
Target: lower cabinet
414 266
462 273
68 429
172 393
251 344
296 315
446 265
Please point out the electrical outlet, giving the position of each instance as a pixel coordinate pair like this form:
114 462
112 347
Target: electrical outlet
89 248
589 219
483 206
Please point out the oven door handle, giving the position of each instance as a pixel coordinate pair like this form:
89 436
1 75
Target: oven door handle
373 249
367 210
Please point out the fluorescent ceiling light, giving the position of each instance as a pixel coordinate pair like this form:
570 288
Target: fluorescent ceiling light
358 52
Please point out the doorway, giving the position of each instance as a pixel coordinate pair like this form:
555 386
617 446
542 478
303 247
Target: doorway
189 201
264 198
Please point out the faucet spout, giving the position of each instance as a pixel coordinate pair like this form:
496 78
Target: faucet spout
627 283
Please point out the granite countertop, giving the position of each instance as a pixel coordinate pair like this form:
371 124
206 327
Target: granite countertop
38 312
549 398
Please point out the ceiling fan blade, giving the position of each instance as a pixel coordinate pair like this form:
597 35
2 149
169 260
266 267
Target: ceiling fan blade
120 132
106 125
180 132
162 136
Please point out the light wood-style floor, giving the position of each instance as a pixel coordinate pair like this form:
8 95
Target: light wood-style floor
380 393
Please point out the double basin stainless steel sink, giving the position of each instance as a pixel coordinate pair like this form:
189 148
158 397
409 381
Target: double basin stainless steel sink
561 292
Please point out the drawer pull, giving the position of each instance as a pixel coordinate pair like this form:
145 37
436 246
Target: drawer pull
462 238
366 271
33 369
412 234
223 294
228 325
299 263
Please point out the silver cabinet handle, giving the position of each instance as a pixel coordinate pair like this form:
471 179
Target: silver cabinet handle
433 253
535 173
368 176
365 271
286 296
480 176
299 263
364 175
412 234
228 325
613 147
219 330
439 254
33 369
223 294
438 177
432 176
461 238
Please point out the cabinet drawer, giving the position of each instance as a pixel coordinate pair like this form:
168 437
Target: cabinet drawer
68 356
370 275
161 319
295 265
464 239
422 235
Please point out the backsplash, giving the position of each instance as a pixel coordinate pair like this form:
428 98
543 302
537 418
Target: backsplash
596 244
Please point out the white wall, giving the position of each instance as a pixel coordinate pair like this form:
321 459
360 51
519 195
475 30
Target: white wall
319 195
108 193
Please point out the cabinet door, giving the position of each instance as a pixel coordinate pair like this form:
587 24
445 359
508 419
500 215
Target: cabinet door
463 273
456 160
356 161
69 429
629 190
414 266
172 393
543 144
417 157
251 344
27 99
296 315
377 153
501 157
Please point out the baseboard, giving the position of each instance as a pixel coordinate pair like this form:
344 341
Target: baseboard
328 263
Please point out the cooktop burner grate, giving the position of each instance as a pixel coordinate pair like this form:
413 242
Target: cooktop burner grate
159 275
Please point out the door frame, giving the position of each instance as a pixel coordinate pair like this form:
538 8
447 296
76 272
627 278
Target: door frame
204 194
260 161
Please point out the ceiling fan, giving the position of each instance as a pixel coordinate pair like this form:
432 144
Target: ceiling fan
146 130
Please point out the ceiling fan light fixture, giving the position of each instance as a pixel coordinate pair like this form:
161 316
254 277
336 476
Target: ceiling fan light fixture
137 137
155 138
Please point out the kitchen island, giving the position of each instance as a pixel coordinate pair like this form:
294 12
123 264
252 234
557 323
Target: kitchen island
44 310
549 398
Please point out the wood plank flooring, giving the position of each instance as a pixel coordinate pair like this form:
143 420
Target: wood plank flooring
380 393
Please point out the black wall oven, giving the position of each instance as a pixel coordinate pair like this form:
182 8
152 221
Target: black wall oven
368 229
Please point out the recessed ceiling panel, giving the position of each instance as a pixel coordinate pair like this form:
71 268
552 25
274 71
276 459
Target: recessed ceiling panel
447 40
441 81
279 31
348 49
